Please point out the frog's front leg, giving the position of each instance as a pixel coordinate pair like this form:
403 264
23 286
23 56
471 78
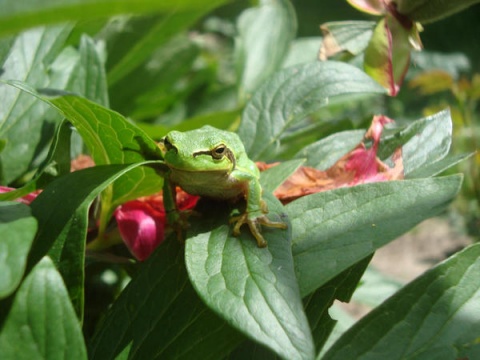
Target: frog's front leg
176 219
255 214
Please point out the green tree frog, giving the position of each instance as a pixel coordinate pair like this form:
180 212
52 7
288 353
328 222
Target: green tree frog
213 163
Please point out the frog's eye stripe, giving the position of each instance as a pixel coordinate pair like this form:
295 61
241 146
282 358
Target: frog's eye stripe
218 153
229 154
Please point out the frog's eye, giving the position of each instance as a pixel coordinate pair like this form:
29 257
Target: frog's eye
219 151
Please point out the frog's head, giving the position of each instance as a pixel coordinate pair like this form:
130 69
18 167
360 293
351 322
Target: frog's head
204 149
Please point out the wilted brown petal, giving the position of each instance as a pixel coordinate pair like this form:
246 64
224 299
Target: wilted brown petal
359 166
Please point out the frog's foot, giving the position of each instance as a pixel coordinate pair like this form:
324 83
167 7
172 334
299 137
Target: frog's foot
254 226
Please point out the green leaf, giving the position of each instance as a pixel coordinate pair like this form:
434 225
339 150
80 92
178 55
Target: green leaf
425 143
253 288
26 123
56 164
430 144
333 230
18 228
159 316
111 139
90 79
41 323
16 17
318 303
275 176
426 11
350 36
60 220
302 50
438 167
145 36
292 94
327 151
434 317
265 33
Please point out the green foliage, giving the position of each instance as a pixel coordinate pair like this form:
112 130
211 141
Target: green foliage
18 227
41 322
133 78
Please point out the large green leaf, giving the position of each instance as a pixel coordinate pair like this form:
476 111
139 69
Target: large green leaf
16 16
333 230
18 228
289 96
27 124
41 323
253 288
265 33
62 214
434 317
111 139
159 316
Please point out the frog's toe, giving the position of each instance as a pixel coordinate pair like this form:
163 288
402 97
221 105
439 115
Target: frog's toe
254 224
265 221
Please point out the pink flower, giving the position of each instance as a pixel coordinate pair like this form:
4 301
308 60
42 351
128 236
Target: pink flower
141 227
142 222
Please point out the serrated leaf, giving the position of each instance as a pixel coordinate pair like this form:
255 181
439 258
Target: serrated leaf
253 288
434 317
265 33
62 213
159 316
292 94
18 16
335 229
111 139
327 151
41 323
26 123
18 228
